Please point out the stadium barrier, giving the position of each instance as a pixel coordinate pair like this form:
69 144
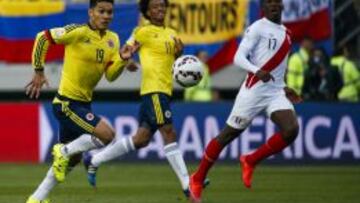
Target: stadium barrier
329 132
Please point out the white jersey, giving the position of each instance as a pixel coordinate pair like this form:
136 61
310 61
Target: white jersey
265 46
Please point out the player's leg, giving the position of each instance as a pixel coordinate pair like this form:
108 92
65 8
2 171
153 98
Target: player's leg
162 119
78 117
122 146
49 182
41 193
174 156
211 154
283 115
244 109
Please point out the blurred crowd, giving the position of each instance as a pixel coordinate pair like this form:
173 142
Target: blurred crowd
318 77
312 73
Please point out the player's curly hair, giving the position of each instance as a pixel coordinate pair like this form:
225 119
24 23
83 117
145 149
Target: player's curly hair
93 3
144 5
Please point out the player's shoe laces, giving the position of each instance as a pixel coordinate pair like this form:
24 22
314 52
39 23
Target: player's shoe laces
187 191
91 169
33 200
247 171
60 163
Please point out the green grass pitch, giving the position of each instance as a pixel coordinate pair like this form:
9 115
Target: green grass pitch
156 183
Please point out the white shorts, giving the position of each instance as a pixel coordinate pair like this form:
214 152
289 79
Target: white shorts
249 104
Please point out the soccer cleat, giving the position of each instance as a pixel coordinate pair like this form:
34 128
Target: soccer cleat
90 169
195 190
205 184
247 171
33 200
60 163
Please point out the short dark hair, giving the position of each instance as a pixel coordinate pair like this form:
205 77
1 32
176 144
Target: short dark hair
93 3
144 6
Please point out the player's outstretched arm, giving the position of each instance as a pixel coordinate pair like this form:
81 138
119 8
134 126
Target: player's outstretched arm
115 68
39 52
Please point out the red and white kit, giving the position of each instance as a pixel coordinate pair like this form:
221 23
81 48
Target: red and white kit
265 46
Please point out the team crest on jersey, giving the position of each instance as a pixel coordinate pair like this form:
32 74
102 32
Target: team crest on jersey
111 43
90 116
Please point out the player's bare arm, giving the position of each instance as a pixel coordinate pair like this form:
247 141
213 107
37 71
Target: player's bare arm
33 88
179 47
292 95
127 49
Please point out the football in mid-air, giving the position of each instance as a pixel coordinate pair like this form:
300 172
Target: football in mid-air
188 70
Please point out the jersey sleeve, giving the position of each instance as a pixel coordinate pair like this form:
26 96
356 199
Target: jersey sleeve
138 35
40 49
61 35
116 65
247 44
66 35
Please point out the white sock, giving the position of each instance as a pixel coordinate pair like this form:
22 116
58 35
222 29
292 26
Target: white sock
116 148
177 163
46 186
83 143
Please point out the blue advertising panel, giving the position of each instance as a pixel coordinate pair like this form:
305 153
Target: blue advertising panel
329 132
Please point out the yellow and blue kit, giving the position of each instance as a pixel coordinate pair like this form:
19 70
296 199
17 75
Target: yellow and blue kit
88 56
157 55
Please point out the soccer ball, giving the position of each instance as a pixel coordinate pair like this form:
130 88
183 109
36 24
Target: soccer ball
188 70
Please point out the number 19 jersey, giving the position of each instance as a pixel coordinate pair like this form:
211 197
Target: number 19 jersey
266 46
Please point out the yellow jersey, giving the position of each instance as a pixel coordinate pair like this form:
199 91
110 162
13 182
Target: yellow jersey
88 55
157 55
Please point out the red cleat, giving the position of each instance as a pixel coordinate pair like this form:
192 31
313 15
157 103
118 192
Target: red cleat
247 171
195 190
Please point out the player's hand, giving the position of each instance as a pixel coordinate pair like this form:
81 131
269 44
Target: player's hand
292 95
34 86
264 76
126 52
179 47
132 66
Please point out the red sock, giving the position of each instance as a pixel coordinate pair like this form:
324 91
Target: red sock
211 154
274 145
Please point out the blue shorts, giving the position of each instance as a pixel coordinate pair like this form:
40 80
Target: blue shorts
75 118
155 111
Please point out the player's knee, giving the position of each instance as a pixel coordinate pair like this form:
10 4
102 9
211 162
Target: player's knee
168 134
141 142
106 136
109 136
291 132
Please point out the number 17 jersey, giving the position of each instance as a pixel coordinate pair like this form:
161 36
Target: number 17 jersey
266 45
